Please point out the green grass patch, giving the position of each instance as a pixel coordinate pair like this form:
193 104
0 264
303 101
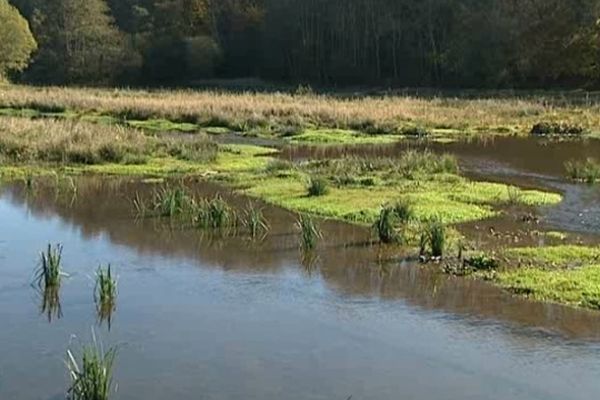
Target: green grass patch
556 255
340 136
577 287
454 201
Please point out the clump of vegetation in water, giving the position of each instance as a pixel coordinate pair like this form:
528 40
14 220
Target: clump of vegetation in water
214 214
584 171
255 221
317 186
169 202
559 129
49 272
92 376
309 232
433 239
390 217
105 292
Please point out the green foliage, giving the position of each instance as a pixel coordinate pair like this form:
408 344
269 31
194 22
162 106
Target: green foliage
214 214
391 221
85 47
309 232
170 202
317 186
49 271
92 377
434 238
255 221
482 262
16 41
105 293
584 171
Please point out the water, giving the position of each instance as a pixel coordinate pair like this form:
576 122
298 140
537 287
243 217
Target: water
202 316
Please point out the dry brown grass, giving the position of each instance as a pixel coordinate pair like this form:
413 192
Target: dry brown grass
244 111
71 142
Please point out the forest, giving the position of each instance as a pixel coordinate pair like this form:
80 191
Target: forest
416 43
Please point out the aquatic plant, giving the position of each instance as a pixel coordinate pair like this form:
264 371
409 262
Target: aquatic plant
436 233
317 186
433 237
584 171
255 221
390 217
214 214
49 271
309 232
92 377
169 202
385 227
105 292
139 205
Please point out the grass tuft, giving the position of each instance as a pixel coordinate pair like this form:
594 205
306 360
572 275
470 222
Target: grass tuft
105 292
309 232
317 186
49 271
92 376
255 221
584 171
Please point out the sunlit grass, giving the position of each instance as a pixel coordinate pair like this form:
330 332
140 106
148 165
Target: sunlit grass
49 272
92 375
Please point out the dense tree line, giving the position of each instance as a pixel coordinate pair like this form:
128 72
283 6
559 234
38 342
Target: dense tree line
476 43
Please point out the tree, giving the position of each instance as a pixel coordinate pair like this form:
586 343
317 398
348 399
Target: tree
79 42
16 42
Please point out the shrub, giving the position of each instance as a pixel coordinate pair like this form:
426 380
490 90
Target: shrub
317 186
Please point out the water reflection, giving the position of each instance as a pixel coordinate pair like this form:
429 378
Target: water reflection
50 302
346 261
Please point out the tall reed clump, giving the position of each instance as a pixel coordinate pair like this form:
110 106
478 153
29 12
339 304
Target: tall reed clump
433 238
391 219
49 273
214 214
309 232
317 186
584 171
255 221
105 291
169 202
92 377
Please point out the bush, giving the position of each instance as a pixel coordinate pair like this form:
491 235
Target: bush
317 186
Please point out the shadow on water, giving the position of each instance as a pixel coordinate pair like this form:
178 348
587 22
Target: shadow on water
103 207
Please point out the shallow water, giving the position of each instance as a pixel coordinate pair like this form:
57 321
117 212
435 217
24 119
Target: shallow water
203 316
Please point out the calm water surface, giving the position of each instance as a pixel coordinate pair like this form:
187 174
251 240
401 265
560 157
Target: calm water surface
208 317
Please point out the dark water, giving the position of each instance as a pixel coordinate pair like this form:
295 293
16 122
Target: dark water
208 317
